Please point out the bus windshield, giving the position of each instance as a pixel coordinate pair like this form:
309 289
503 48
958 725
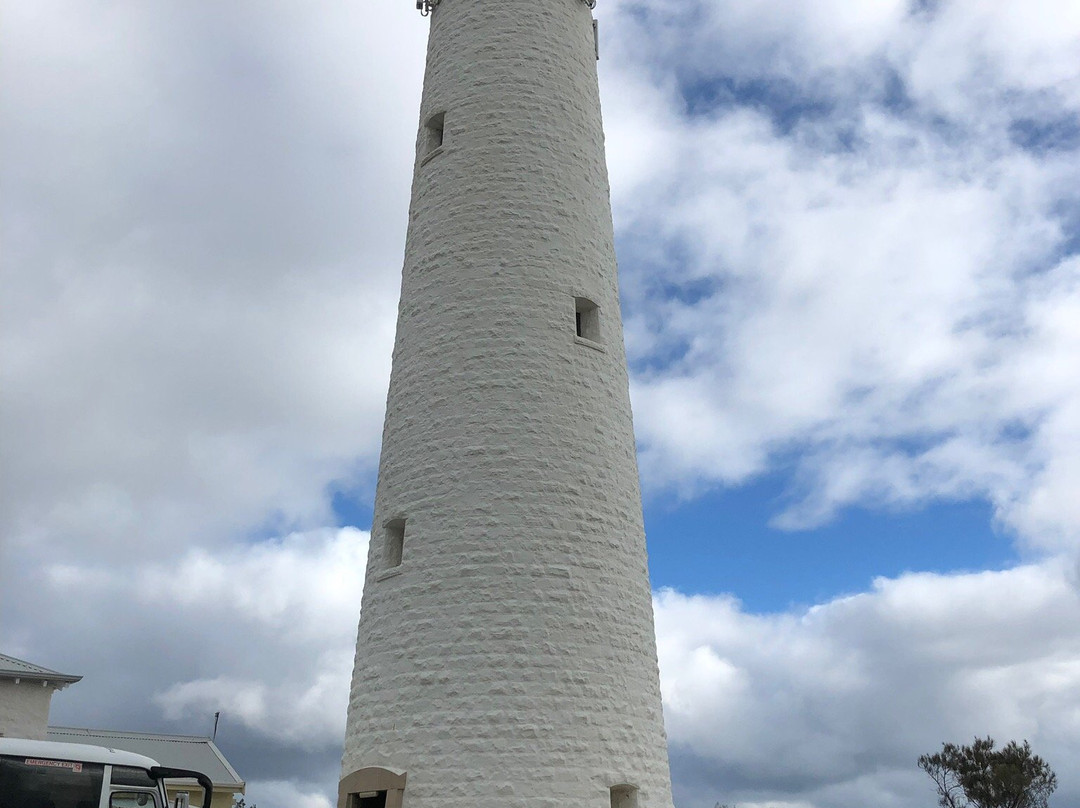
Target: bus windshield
27 782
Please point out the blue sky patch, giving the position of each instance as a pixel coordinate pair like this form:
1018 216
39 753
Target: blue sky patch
352 507
783 101
1040 137
722 542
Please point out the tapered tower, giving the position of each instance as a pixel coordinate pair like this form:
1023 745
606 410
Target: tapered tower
506 653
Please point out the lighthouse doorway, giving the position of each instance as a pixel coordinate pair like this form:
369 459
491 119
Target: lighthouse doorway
372 799
372 787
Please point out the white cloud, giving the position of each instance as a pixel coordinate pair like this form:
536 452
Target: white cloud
832 705
291 712
881 296
966 49
304 584
286 794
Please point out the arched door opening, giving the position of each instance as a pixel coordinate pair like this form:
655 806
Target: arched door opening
372 787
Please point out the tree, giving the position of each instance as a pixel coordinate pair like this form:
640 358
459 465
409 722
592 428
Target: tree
979 776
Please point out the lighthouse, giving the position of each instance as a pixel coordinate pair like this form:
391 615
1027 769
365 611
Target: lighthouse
506 654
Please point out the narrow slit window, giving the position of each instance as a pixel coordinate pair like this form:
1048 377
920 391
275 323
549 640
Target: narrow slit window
395 542
587 319
624 796
433 131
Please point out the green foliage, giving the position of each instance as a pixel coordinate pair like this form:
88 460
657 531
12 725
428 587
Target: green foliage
979 776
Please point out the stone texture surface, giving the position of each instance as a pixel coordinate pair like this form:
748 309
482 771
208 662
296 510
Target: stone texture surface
510 660
24 709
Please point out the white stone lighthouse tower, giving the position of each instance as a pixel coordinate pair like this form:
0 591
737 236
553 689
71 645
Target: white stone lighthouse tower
506 655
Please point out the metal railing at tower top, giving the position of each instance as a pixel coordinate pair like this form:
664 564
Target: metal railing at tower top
425 7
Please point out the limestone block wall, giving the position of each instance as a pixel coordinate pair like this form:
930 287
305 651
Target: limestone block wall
24 709
506 653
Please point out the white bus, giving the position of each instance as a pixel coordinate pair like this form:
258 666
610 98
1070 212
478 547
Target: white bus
47 774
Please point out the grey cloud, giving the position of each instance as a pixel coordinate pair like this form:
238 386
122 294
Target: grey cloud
262 633
202 243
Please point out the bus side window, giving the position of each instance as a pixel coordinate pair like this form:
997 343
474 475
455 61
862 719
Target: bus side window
133 799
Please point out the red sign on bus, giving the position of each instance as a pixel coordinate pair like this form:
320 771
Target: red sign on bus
59 764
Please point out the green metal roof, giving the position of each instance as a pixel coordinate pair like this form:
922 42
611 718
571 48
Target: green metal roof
12 668
178 751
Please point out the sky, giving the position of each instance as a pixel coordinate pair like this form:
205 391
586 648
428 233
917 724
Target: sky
849 244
